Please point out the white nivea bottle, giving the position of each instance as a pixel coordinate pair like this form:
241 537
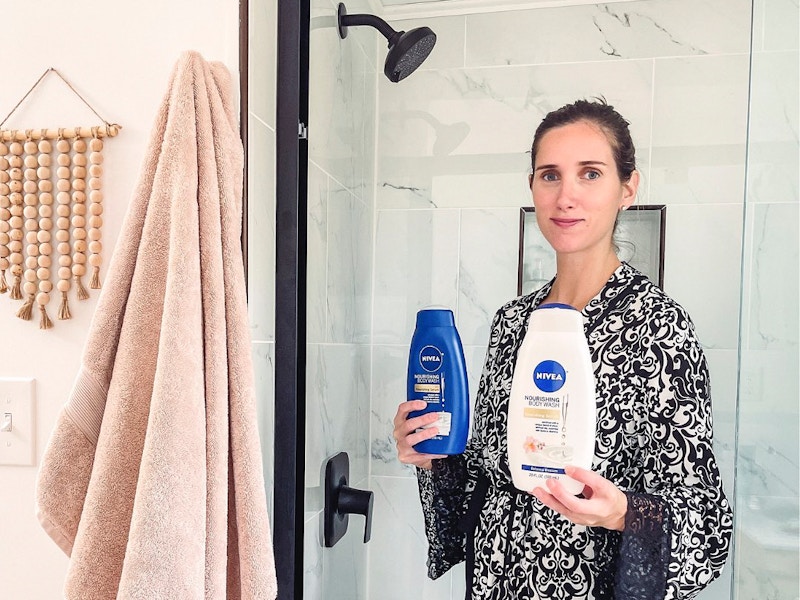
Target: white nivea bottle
552 411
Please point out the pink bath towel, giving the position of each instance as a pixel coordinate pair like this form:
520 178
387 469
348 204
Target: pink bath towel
152 480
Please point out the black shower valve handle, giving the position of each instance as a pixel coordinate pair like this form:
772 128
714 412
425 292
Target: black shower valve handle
359 502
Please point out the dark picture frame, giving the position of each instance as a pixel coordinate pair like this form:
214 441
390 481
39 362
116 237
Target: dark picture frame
639 239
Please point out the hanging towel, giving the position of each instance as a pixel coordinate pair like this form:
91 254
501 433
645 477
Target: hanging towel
152 480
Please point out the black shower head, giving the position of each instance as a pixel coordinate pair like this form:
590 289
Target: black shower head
407 49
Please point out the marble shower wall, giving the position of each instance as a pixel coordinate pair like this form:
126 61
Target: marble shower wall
453 142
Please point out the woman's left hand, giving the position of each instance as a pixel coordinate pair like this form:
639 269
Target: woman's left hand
603 503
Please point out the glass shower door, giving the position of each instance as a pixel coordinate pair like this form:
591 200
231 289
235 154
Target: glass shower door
338 288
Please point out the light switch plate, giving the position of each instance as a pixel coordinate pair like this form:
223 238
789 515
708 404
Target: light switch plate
17 399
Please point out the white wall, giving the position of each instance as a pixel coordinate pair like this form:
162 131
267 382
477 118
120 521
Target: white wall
119 57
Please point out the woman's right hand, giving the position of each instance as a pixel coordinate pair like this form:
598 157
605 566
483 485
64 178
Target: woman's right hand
406 434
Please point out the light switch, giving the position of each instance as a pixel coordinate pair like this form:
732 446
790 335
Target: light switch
17 423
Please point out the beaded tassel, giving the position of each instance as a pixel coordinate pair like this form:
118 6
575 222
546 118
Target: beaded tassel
5 216
15 222
63 198
44 236
95 209
31 214
79 216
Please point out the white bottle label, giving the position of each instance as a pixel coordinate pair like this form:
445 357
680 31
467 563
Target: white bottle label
443 423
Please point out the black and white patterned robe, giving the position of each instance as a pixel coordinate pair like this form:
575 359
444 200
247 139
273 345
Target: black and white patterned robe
653 441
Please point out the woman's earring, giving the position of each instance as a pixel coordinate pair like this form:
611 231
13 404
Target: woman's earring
624 207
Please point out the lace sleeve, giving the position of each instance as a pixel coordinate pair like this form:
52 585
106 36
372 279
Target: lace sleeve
683 517
645 549
444 492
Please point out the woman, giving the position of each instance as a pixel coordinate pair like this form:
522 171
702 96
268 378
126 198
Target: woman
653 521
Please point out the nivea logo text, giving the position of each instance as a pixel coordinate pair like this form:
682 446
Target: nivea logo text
549 376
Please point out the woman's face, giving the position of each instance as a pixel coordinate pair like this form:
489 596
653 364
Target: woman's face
576 190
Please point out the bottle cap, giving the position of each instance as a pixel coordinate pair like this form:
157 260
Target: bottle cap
435 317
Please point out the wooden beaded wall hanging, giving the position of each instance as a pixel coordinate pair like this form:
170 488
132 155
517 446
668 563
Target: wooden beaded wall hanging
51 214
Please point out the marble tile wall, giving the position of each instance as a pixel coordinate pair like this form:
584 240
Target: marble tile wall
453 143
261 220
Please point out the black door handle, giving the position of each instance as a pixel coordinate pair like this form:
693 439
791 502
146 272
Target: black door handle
341 501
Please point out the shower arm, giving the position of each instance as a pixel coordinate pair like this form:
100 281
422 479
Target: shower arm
346 21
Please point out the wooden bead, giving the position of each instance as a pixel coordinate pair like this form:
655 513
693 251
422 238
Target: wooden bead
96 209
16 222
79 209
4 176
3 149
30 212
62 146
30 274
42 298
15 148
44 160
79 246
79 159
95 170
45 210
96 158
64 272
94 234
43 172
95 144
45 146
31 224
62 172
63 160
79 270
15 235
15 172
63 222
46 249
46 198
15 246
16 260
31 199
45 286
62 210
94 183
79 172
96 196
78 184
78 221
4 239
30 260
78 197
79 145
30 174
79 258
45 185
63 197
29 287
31 162
63 285
65 259
43 274
95 247
95 260
96 222
43 235
31 147
62 235
63 185
30 187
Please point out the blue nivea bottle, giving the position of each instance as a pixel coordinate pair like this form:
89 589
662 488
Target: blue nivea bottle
437 373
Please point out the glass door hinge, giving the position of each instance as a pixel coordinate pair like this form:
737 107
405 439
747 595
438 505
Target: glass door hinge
302 131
